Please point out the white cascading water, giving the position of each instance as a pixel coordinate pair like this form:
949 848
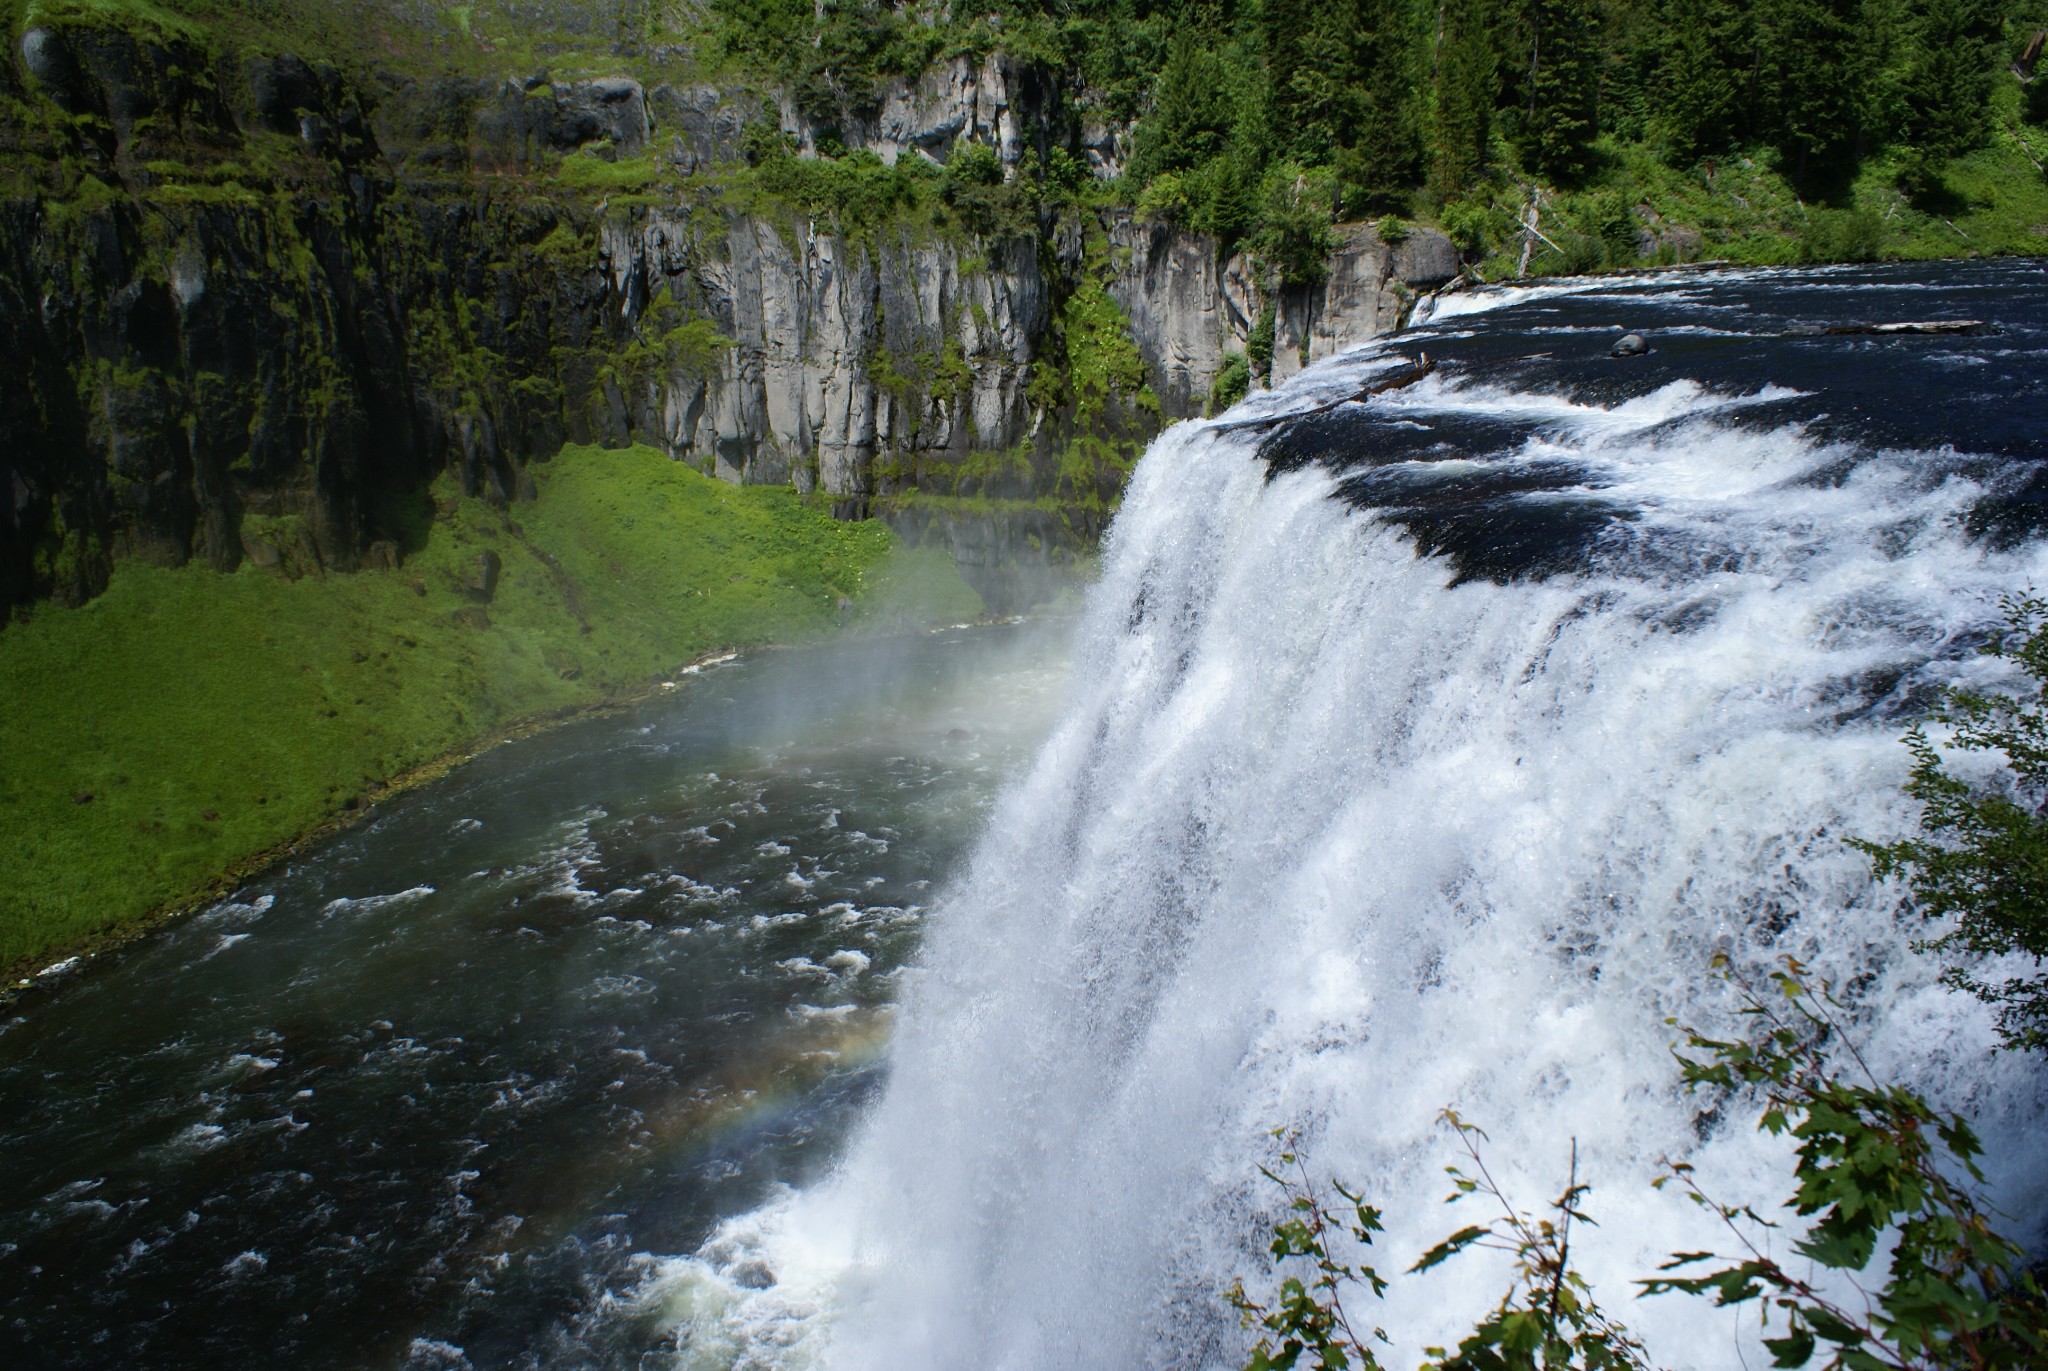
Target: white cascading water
1324 842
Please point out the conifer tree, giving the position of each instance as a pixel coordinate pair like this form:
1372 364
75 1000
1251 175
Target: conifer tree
1814 82
1559 86
1283 32
1190 121
1948 89
1322 59
1708 77
1463 87
1379 162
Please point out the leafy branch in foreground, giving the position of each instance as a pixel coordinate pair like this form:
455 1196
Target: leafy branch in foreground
1548 1317
1310 1320
1879 1173
1982 858
1875 1162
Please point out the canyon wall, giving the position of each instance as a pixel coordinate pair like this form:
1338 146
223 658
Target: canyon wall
252 304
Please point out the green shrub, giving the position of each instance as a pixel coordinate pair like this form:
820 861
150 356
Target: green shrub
1258 346
858 191
1232 382
1835 235
1980 864
1475 226
1165 197
1293 235
973 164
1609 219
587 171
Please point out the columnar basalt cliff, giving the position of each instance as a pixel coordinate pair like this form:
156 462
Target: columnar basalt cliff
250 304
815 382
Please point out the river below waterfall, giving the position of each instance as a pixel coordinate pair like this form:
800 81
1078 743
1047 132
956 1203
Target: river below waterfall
1418 753
443 1081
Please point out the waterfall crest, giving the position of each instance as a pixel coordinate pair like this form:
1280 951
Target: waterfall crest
1329 839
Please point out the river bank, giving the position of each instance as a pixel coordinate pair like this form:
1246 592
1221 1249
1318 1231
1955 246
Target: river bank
187 727
28 971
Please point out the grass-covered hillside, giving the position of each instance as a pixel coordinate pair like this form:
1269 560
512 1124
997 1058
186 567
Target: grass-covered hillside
186 722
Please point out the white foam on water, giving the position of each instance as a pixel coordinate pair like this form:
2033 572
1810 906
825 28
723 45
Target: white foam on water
201 1137
366 903
1485 299
223 943
1323 842
1679 399
850 962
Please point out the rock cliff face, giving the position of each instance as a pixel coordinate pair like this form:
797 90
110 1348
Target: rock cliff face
250 305
838 352
1189 306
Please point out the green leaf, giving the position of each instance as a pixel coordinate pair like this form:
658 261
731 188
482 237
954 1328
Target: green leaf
1794 1349
1448 1248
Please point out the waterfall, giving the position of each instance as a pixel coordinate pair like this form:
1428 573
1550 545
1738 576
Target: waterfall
1330 839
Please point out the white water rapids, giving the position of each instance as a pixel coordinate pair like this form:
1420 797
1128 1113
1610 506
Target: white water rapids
1322 841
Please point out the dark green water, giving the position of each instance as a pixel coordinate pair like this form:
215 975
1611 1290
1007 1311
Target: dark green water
432 1095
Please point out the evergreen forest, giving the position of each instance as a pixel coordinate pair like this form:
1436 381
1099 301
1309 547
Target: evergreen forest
1260 122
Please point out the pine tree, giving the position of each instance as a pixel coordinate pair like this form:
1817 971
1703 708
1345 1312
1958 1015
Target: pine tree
1948 88
1708 77
1463 87
1383 154
1559 86
1814 85
1189 122
1283 32
1321 61
1629 56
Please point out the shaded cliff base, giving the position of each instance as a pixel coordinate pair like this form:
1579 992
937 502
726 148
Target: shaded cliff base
184 724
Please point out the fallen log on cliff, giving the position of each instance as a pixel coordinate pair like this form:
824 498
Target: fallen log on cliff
1423 367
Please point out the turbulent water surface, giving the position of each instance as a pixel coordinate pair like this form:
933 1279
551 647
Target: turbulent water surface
429 1095
1421 753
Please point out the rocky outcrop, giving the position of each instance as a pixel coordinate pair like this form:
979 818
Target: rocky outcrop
988 100
1171 286
955 100
1189 307
700 127
1367 290
859 368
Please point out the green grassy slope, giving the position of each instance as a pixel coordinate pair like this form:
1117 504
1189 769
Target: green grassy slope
186 722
